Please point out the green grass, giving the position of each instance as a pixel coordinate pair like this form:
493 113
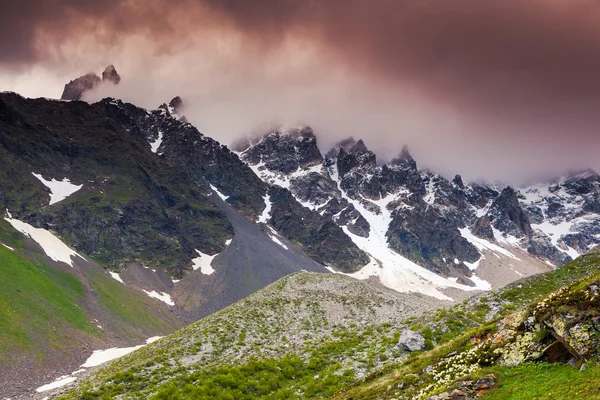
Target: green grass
9 236
541 381
34 300
134 312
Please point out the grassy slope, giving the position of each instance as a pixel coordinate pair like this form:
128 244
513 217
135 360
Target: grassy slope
277 343
247 351
541 381
42 307
34 300
461 323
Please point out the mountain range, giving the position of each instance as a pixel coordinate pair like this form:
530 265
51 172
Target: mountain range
140 224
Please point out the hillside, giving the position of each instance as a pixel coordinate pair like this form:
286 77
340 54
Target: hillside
310 335
543 344
316 324
52 315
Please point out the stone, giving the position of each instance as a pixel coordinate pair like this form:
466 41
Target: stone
74 89
411 341
485 383
110 75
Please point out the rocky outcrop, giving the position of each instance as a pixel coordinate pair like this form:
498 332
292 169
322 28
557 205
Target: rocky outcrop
316 235
411 341
282 152
75 89
111 75
431 240
507 214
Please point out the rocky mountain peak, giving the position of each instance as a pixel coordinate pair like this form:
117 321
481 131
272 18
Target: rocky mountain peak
283 151
174 109
404 159
356 156
458 181
359 148
508 215
110 74
75 89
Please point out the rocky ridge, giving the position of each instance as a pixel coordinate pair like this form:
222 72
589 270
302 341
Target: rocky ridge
75 89
445 226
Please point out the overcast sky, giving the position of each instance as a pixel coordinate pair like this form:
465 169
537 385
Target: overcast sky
505 90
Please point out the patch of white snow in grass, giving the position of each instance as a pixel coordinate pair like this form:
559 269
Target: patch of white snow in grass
203 262
116 276
162 296
59 190
52 246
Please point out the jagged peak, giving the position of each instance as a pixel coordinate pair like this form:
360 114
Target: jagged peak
582 174
110 74
359 147
404 159
458 181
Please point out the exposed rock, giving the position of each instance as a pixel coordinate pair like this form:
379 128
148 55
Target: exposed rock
110 75
75 88
411 341
318 236
283 152
507 214
483 228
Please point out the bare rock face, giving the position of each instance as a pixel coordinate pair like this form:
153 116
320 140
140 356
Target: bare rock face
110 75
75 89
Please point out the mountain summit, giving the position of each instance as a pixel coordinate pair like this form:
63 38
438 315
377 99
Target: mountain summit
75 89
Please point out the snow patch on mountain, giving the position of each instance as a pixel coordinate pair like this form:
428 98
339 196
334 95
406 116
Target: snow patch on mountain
203 262
162 296
266 214
392 269
59 190
59 382
483 244
52 246
221 195
155 144
274 237
116 276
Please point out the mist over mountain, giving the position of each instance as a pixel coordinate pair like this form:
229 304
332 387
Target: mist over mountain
305 199
466 95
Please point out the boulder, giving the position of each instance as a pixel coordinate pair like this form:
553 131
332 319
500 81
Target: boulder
411 341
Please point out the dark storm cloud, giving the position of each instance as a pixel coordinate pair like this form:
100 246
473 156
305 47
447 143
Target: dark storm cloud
533 59
490 80
472 53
